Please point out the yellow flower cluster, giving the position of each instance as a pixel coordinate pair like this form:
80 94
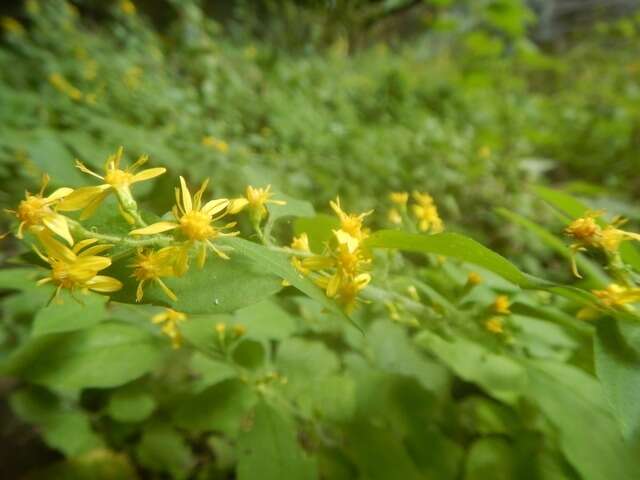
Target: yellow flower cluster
588 233
423 209
340 270
170 319
255 200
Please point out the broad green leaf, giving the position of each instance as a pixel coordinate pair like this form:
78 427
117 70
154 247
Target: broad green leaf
456 246
574 403
266 321
618 369
501 377
63 427
393 352
220 286
71 314
564 202
106 355
293 208
131 403
317 228
99 464
209 371
163 449
270 449
22 278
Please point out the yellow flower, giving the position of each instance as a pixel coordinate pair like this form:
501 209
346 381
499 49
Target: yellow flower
351 223
35 212
215 143
127 7
495 325
501 305
76 268
88 199
474 279
11 25
195 222
399 198
169 319
617 296
255 199
426 213
587 233
394 216
152 265
301 243
62 85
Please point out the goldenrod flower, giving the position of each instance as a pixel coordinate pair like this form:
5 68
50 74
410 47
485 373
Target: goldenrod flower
301 243
195 222
62 85
255 199
588 233
169 319
426 213
495 325
351 223
11 25
617 296
394 217
501 305
127 7
474 279
77 268
215 143
35 212
399 198
152 265
88 199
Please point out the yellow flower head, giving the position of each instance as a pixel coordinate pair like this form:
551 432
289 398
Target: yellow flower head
215 143
394 217
501 305
301 243
152 265
495 325
399 198
35 212
617 296
351 223
345 289
127 7
88 199
255 199
11 25
195 221
76 268
169 319
474 279
426 213
62 85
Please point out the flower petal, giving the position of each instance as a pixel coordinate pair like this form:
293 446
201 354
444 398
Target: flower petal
148 174
58 225
56 249
81 197
154 228
237 205
102 283
58 194
186 196
213 207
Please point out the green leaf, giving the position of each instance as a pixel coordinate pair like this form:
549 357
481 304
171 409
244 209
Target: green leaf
106 355
500 376
490 458
210 372
130 404
563 202
220 286
162 449
293 208
270 450
70 315
318 229
618 368
456 246
63 427
266 321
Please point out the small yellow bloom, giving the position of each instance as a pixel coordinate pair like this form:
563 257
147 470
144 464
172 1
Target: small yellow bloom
351 223
484 152
394 217
501 305
301 243
127 7
215 143
88 199
35 212
474 279
62 85
255 199
77 268
426 213
169 319
194 221
617 296
239 330
413 293
495 325
132 77
152 265
399 198
11 25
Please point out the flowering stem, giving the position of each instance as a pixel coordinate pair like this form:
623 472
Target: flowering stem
156 240
129 205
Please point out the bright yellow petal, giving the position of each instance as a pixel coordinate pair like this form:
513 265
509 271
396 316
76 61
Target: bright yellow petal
93 263
56 249
81 197
93 205
83 244
95 250
58 225
147 174
332 286
102 283
197 198
167 291
152 229
237 205
58 194
186 196
213 207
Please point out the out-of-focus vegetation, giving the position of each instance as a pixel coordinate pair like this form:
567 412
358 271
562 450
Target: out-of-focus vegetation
459 370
